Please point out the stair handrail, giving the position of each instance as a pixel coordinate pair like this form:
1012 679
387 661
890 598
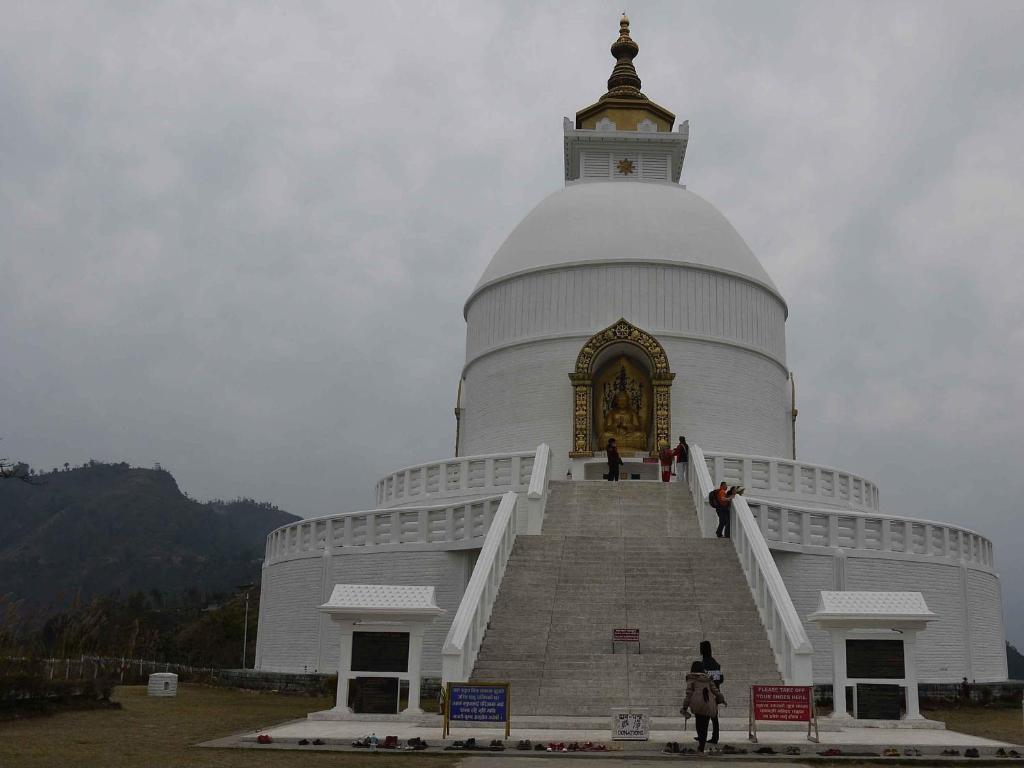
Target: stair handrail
786 632
470 622
467 630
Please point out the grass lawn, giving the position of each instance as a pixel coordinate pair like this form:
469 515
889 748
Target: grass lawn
160 732
1001 724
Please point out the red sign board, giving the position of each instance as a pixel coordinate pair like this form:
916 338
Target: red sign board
626 635
791 703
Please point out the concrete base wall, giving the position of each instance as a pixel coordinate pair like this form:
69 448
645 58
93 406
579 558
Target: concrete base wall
967 639
295 637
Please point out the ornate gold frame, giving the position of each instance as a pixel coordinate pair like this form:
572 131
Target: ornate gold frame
620 332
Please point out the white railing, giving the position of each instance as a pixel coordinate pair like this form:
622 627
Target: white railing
459 524
462 525
461 476
470 622
783 525
786 633
793 480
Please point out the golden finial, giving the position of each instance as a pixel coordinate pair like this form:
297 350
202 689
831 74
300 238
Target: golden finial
624 81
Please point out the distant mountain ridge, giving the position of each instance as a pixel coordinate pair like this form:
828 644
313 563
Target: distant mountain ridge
103 528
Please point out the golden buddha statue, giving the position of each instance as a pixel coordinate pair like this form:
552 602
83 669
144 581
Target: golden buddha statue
624 424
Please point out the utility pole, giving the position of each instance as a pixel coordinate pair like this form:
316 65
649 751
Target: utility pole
245 623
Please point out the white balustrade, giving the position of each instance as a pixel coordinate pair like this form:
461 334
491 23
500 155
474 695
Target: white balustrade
483 475
790 527
459 523
470 622
786 633
462 525
793 480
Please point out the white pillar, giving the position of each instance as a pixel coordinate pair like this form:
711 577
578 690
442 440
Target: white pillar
839 673
910 671
415 659
344 666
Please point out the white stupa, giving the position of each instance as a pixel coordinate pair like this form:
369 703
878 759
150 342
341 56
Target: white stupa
625 305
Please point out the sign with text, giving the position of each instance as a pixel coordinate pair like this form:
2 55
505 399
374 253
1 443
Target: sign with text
626 635
785 703
478 703
632 725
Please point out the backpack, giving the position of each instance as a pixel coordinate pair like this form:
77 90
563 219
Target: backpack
702 700
712 498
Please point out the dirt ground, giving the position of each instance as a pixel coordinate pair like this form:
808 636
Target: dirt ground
150 732
991 723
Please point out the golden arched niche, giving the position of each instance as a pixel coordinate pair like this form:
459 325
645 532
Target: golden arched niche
600 409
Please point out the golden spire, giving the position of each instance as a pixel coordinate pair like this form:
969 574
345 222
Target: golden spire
624 107
624 82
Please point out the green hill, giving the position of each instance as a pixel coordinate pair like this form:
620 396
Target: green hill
106 528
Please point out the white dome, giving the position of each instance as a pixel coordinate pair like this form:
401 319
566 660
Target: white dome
624 221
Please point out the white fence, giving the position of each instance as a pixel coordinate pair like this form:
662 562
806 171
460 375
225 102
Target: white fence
470 622
462 525
457 524
799 526
786 633
793 480
463 476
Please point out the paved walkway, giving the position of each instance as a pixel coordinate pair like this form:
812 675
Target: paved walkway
340 734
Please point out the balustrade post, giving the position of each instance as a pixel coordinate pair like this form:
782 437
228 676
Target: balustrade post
886 536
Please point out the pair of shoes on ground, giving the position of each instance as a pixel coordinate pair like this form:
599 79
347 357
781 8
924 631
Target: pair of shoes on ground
264 738
951 753
911 752
831 752
791 750
416 744
971 752
524 744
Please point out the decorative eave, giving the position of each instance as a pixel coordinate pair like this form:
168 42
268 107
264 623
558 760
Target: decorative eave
872 610
576 138
382 601
642 104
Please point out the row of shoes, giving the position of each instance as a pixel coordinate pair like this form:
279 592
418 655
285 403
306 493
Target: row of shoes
558 746
1008 753
372 742
496 745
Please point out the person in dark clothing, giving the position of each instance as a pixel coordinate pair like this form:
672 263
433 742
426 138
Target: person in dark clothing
703 699
714 670
614 460
682 454
722 503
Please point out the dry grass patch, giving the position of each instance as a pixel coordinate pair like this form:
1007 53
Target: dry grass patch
161 732
1000 724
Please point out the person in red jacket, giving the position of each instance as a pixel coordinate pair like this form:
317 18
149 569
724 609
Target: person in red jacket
682 454
665 456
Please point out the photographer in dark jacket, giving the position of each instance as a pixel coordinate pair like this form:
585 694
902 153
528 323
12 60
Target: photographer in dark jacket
714 671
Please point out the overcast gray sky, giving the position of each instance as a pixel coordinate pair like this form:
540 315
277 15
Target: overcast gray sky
235 239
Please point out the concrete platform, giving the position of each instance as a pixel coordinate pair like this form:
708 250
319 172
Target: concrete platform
848 736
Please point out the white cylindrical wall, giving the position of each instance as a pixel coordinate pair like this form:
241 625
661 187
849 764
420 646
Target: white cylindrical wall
724 336
723 398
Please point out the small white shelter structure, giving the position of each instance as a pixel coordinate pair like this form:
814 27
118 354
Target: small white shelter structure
382 612
874 642
162 684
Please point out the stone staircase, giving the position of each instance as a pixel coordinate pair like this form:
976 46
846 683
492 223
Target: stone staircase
625 554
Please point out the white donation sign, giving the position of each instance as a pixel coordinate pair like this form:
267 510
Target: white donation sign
633 725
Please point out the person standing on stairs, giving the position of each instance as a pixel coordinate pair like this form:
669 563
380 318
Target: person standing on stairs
614 460
721 500
702 699
682 454
665 457
714 670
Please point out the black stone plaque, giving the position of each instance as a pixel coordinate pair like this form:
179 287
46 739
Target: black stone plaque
380 651
874 659
878 702
373 695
